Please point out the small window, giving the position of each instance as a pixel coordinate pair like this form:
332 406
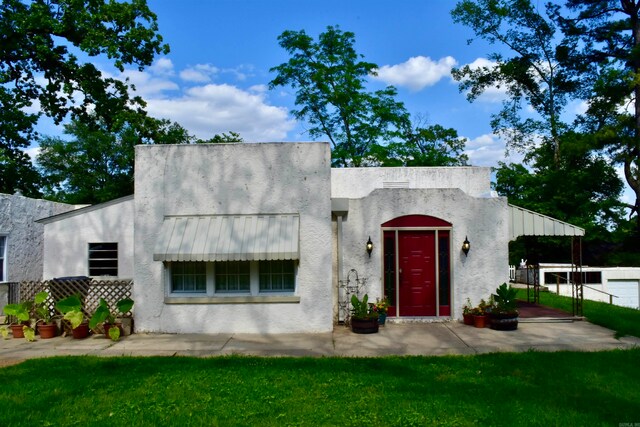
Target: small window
3 257
277 276
103 259
233 276
189 277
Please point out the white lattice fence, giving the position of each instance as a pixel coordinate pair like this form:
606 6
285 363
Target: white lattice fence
89 290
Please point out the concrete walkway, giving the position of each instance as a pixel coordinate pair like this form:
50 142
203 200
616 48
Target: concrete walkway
393 339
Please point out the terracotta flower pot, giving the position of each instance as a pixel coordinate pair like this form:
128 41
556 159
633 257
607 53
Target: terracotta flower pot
480 321
468 319
81 331
16 330
47 330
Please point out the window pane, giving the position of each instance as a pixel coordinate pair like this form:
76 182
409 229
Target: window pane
277 276
389 267
232 276
443 257
189 277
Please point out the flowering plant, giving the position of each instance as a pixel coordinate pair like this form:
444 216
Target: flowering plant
381 306
481 309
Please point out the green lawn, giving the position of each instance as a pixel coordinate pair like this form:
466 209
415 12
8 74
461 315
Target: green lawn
534 388
623 320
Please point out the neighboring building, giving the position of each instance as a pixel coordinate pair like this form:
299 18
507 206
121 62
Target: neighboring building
259 238
617 285
21 238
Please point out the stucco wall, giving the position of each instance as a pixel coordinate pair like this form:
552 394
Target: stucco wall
223 179
25 237
355 183
67 238
483 220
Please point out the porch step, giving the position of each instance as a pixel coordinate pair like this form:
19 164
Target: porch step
550 319
400 320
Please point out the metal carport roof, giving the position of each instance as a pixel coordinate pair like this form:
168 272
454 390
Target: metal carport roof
523 222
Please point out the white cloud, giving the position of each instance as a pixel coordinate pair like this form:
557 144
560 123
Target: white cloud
259 88
207 109
417 72
201 73
211 109
488 150
492 94
148 84
162 67
32 152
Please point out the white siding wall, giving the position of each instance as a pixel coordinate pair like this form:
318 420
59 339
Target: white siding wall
235 179
67 238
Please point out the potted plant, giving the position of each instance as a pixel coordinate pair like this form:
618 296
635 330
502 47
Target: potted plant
21 312
364 319
71 308
105 317
47 328
42 318
467 313
480 316
504 310
381 307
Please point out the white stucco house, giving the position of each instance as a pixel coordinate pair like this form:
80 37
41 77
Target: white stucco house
258 238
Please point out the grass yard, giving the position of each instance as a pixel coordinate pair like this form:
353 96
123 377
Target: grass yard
508 389
623 320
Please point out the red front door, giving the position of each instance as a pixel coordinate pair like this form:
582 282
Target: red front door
417 273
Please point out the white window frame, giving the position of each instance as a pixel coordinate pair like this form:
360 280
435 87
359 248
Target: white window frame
3 261
254 288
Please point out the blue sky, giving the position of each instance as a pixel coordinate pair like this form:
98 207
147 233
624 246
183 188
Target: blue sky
215 78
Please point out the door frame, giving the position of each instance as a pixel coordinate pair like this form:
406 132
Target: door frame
436 229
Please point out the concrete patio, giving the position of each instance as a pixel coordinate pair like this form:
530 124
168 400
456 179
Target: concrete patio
427 339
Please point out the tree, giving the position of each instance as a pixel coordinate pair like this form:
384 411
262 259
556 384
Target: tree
222 138
431 145
97 164
40 45
582 189
531 75
601 47
572 179
329 78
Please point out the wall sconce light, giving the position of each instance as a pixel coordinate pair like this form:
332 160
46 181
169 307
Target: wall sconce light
369 246
466 246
